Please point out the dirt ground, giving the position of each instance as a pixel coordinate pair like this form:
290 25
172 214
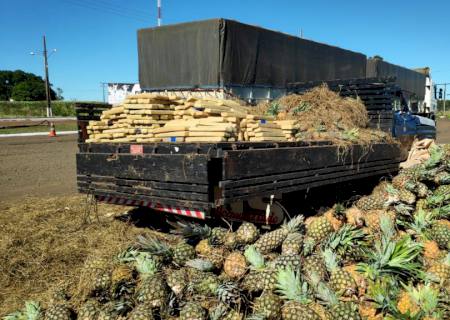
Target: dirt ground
37 166
443 131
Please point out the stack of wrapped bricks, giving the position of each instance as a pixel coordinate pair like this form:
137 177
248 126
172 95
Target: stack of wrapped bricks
157 118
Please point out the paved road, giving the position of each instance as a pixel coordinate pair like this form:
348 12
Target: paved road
34 134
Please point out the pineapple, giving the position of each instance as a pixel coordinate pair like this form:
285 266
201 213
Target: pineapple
218 235
230 240
319 229
235 265
247 233
401 180
291 289
440 232
141 312
205 284
229 294
176 280
442 177
421 190
151 289
58 312
440 271
203 247
291 261
341 281
292 244
183 252
338 309
122 281
420 302
354 216
431 252
260 276
406 196
314 264
350 243
89 310
273 239
192 311
372 202
268 305
373 218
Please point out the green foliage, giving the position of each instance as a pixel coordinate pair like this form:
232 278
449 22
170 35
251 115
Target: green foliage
273 109
35 109
23 86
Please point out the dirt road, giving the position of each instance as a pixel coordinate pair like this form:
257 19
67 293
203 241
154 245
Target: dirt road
443 131
37 166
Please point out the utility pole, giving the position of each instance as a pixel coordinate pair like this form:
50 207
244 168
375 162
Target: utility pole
159 13
47 82
445 93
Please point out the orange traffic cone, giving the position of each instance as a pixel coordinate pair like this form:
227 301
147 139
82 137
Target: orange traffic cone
52 132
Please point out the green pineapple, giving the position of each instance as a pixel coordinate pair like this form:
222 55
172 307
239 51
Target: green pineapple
372 202
218 235
442 177
406 196
319 229
291 261
421 190
338 309
295 293
268 305
440 271
247 233
273 239
314 264
152 289
229 293
192 311
89 310
401 180
183 252
59 312
260 277
176 280
341 281
113 310
440 232
292 244
141 312
205 284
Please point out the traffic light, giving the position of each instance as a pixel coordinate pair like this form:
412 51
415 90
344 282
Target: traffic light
440 93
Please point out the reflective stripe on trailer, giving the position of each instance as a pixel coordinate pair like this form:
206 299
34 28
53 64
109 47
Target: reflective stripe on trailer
194 213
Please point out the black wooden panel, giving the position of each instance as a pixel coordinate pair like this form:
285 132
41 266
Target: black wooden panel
175 168
252 163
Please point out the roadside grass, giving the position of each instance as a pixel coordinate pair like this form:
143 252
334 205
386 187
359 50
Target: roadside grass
65 126
19 109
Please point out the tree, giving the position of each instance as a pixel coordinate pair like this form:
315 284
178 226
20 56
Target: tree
29 86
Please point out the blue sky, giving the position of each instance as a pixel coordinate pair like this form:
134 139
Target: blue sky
96 39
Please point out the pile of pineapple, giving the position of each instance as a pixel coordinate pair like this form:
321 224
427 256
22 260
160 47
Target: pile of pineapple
385 257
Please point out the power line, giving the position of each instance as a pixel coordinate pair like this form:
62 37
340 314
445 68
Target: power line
119 7
97 7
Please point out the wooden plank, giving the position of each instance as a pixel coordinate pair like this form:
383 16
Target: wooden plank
231 184
251 163
310 176
174 167
320 182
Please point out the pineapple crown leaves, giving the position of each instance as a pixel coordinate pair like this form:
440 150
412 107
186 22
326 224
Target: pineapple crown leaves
146 265
154 246
425 297
254 257
397 258
274 109
339 209
31 311
348 237
290 286
421 222
294 224
437 153
200 264
324 292
330 259
302 107
230 293
351 135
190 229
383 292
